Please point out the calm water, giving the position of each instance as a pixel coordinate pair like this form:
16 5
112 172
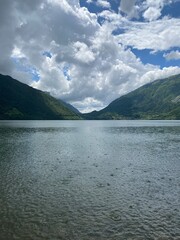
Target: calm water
89 180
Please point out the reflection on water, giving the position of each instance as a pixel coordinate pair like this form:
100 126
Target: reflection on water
89 180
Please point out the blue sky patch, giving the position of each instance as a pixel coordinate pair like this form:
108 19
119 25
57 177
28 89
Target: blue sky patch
92 7
173 10
118 31
157 58
95 8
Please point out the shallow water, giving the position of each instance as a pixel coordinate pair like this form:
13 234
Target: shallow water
89 180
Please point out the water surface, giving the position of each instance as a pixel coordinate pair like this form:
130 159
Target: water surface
89 180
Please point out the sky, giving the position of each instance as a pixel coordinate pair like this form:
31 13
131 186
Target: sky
89 52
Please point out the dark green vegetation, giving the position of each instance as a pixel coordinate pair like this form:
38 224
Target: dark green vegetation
157 100
19 101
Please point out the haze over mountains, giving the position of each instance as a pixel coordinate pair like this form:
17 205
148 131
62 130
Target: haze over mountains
157 100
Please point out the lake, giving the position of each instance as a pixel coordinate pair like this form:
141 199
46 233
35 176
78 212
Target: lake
89 180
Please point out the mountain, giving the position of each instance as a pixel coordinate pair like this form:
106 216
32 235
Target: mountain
71 107
157 100
19 101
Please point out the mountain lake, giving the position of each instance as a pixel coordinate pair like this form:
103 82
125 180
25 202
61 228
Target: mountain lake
90 180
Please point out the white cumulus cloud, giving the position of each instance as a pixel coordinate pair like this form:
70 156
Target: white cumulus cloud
158 35
103 3
152 13
173 55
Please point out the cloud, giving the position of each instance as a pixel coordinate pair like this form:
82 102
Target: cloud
152 10
127 6
7 34
152 13
173 55
157 3
158 35
100 3
88 65
159 74
103 3
130 8
83 53
89 1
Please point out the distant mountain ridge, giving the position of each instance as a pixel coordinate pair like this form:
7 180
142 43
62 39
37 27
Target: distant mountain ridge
156 100
70 107
19 101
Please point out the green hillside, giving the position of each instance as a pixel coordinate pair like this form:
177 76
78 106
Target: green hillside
157 100
71 107
19 101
